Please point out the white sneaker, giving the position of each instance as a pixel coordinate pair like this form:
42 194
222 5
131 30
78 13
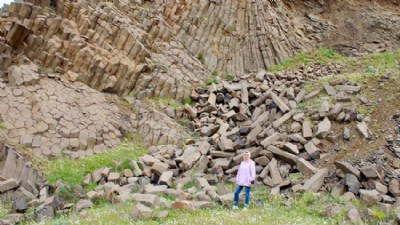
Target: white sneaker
235 207
245 209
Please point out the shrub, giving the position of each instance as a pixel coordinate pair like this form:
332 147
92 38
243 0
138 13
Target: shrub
187 101
200 57
230 76
210 81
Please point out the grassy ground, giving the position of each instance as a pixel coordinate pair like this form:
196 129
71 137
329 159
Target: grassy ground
306 209
321 56
72 171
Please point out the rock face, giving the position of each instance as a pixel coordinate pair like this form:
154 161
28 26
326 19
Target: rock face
53 116
112 47
15 171
156 128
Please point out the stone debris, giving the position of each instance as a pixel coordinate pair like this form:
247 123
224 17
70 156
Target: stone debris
315 183
363 128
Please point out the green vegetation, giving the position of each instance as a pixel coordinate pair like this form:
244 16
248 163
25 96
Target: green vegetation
211 80
189 185
202 18
5 205
164 69
184 121
104 213
377 63
2 125
301 107
229 76
296 177
378 213
320 56
72 171
362 110
371 69
188 101
200 57
167 101
215 73
306 209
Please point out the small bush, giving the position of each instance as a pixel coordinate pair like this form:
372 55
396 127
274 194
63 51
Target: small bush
371 69
202 18
200 57
230 76
66 191
125 164
187 101
378 213
189 185
90 187
210 81
184 121
168 197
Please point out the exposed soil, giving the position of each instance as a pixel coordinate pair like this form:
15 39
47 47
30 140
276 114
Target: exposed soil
384 102
352 27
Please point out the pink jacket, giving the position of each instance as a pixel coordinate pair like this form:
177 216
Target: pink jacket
246 173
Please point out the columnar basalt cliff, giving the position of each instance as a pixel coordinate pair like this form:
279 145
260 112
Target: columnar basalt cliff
237 36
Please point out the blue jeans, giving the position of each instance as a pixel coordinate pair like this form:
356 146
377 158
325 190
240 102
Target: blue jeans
237 192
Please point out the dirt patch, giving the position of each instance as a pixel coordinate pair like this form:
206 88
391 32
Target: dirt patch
352 27
384 102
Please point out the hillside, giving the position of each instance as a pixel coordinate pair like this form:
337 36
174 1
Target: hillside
183 88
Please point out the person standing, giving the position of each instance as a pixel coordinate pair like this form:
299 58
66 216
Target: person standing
245 179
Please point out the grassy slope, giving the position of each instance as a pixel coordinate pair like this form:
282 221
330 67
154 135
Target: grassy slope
305 209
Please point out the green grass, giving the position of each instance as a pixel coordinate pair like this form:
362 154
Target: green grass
5 205
189 185
202 18
104 213
306 209
378 63
320 56
166 101
184 121
378 214
229 76
72 171
211 80
200 57
188 101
